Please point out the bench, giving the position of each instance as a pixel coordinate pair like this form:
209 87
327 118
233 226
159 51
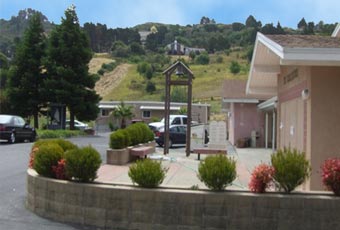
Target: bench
142 151
200 151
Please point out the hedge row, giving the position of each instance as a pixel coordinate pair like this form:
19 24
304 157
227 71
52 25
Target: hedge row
132 135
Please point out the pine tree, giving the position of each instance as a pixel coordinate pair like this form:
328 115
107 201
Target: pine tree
67 65
26 81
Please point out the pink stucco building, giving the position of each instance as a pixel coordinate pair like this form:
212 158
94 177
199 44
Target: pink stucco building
301 74
245 121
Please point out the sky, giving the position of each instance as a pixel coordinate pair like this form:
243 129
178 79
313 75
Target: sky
128 13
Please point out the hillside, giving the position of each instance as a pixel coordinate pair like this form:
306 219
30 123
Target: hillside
125 83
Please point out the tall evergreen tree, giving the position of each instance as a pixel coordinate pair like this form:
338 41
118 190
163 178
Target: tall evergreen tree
302 24
67 66
25 83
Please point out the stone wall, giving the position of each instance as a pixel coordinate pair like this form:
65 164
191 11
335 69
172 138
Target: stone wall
124 207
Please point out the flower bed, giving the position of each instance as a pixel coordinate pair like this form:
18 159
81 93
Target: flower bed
128 207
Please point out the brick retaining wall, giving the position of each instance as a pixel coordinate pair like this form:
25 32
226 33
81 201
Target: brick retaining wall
128 207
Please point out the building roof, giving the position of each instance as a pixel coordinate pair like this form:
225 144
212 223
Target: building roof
273 51
234 90
305 41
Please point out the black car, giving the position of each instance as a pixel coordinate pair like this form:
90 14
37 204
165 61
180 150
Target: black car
177 135
14 128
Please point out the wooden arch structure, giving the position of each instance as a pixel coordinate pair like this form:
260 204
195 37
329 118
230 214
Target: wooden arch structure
185 77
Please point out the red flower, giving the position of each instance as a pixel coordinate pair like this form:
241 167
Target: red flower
261 178
331 175
59 170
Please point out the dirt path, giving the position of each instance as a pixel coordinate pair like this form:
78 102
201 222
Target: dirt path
109 81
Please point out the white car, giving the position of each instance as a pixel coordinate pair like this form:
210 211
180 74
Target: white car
77 125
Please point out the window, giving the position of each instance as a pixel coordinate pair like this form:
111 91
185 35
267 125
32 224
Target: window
177 121
105 112
146 114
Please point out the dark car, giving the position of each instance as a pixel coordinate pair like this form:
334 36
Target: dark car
177 135
14 128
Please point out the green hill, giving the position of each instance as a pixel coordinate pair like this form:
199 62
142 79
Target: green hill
207 85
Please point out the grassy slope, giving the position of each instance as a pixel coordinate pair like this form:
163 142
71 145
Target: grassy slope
207 85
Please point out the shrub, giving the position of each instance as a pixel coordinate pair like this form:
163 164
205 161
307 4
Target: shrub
202 59
235 67
46 157
64 144
147 173
135 134
82 164
143 133
47 134
331 175
291 168
119 139
217 172
261 178
59 170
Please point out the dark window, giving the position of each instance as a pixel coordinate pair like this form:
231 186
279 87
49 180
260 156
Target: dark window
146 114
105 112
177 121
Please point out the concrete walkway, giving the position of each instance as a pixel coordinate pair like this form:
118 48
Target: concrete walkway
182 170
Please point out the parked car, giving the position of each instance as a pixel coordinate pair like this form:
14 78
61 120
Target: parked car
77 125
177 135
173 120
14 128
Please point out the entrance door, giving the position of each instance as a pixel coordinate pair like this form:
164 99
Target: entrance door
291 124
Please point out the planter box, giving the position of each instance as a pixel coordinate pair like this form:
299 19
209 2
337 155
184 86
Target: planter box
105 206
123 156
117 156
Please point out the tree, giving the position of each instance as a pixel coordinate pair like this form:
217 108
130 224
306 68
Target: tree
235 67
26 82
150 87
251 22
119 49
202 59
123 112
279 29
67 66
192 55
302 24
137 48
309 29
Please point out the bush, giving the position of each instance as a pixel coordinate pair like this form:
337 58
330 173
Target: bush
217 172
59 170
291 168
235 67
202 59
48 134
331 175
144 133
64 144
46 157
261 178
82 164
147 173
119 139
